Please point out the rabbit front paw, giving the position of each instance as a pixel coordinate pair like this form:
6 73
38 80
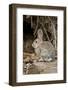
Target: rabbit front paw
40 59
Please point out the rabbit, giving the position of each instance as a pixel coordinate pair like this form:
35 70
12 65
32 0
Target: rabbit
44 49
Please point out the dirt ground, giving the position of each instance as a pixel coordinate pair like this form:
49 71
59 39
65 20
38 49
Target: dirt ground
42 67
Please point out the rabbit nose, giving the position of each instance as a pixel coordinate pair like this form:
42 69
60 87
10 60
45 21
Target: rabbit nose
32 45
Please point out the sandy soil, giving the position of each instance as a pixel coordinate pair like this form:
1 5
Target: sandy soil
42 67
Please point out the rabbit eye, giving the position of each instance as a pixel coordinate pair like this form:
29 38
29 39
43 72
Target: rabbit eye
36 41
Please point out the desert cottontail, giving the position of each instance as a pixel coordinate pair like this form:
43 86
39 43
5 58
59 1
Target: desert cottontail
43 49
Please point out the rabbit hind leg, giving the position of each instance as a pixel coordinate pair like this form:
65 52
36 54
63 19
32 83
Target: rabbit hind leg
47 59
50 59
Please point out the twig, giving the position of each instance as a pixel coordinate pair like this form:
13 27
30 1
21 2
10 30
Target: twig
54 31
45 32
36 26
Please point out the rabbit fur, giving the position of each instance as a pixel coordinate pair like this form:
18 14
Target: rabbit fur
44 50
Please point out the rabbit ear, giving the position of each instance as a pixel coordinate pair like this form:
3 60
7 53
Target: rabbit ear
40 34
